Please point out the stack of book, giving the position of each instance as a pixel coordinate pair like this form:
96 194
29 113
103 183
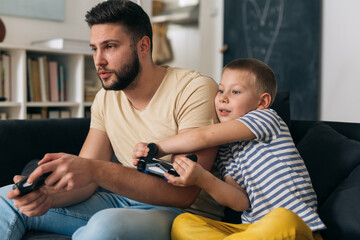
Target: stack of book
5 77
45 80
48 112
91 88
3 116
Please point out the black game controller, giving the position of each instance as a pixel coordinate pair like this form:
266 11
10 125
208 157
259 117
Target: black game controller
26 188
158 167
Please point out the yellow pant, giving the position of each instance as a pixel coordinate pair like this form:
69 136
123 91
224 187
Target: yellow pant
278 224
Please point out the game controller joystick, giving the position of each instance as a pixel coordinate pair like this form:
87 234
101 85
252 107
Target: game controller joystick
158 167
26 188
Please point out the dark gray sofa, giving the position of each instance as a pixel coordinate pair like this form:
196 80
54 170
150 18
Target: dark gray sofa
331 151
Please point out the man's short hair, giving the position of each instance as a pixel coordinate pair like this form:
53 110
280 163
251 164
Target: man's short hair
265 77
131 16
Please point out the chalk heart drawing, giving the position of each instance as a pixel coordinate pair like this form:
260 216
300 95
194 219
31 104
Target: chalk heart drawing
261 27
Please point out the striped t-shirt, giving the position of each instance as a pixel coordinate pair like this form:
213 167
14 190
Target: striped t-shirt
270 170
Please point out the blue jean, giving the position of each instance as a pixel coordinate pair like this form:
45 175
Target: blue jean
103 216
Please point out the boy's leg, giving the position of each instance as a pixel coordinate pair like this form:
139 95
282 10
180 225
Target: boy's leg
193 227
280 223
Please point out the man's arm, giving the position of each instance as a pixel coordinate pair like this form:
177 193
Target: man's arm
150 189
96 146
38 203
84 174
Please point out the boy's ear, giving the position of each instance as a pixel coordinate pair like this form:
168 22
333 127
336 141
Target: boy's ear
265 100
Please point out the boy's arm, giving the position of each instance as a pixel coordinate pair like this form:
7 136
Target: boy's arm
205 137
227 193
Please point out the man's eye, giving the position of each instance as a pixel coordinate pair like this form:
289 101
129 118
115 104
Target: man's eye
109 46
93 49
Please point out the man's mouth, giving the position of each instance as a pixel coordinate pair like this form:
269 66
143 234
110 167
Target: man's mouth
105 74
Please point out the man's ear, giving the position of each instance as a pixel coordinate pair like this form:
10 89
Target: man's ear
265 100
144 46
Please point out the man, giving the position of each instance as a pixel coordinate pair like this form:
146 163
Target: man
139 102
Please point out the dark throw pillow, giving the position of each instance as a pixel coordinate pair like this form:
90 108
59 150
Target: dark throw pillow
329 158
341 211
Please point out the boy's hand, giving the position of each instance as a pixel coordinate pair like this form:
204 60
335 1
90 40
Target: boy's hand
190 172
140 150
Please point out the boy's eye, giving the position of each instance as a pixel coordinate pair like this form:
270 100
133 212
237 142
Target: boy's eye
221 91
236 92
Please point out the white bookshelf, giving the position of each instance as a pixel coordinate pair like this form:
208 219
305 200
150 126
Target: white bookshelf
78 65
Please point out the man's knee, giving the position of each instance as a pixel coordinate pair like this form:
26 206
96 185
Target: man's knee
3 192
117 223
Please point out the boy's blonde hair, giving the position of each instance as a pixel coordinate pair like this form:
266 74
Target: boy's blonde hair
265 78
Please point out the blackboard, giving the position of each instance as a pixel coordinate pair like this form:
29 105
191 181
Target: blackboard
285 34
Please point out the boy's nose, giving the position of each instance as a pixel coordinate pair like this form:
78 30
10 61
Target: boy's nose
224 99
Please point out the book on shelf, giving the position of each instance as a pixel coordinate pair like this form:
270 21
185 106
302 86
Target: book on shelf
44 78
35 80
5 78
37 112
59 113
64 43
30 94
61 84
1 82
53 81
3 116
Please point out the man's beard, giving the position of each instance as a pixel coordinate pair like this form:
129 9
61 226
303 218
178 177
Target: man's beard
125 76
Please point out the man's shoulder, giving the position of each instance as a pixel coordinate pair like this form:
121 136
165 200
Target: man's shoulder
186 76
184 81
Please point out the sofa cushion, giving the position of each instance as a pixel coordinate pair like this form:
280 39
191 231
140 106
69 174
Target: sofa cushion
281 105
329 158
24 140
340 212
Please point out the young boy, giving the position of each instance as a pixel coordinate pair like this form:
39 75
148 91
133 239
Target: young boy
264 175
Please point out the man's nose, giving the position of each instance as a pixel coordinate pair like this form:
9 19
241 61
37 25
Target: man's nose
99 59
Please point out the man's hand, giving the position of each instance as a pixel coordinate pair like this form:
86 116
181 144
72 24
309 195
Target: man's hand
68 171
33 204
190 172
140 150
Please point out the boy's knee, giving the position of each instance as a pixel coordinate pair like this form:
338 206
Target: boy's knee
182 219
286 216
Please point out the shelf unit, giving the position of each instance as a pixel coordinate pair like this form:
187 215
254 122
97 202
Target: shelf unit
78 65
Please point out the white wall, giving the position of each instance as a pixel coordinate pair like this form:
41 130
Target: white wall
340 80
199 48
22 31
